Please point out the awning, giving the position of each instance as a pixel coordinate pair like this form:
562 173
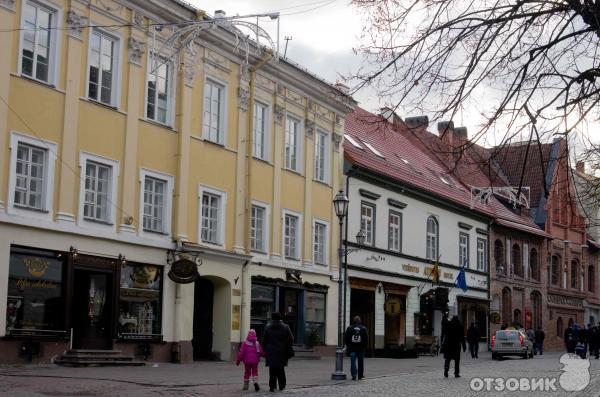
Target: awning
520 226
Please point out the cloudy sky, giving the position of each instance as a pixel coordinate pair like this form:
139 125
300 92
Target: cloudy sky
323 33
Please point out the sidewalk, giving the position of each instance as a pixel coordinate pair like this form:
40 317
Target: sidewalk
197 379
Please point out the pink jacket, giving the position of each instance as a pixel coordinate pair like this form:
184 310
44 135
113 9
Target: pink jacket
250 350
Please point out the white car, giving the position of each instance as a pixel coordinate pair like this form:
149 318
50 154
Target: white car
511 342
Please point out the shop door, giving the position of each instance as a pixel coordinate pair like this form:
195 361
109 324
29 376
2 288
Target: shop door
289 308
93 310
362 304
394 321
203 319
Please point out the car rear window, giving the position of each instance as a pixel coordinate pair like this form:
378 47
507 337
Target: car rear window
506 334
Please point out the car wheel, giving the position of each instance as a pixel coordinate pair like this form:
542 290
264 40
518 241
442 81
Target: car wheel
494 356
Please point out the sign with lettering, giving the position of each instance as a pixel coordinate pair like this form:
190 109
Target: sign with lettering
184 271
410 268
393 307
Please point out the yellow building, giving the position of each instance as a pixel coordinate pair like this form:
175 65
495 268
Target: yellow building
120 156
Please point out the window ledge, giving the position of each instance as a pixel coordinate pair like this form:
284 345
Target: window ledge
98 221
325 183
293 171
262 160
222 146
39 82
26 208
103 105
158 124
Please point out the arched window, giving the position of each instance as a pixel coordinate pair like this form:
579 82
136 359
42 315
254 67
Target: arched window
591 278
554 270
536 306
574 274
517 320
499 257
559 327
432 238
517 260
506 306
534 266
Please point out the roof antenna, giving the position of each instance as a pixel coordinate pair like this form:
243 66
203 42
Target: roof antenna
287 40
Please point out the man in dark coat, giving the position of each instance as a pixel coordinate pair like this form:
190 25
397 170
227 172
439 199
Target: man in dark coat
356 339
454 340
538 346
570 339
473 337
277 344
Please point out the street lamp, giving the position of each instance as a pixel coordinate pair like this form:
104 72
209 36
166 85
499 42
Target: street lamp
340 203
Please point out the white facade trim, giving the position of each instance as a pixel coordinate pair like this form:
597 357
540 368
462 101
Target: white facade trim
264 256
117 66
222 216
167 205
327 241
223 119
299 232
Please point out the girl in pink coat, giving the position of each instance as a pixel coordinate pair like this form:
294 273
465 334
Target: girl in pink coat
249 354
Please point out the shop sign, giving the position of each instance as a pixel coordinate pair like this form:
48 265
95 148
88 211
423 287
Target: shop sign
183 271
393 307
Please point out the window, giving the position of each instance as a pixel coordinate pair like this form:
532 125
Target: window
314 318
516 260
591 279
554 270
367 222
574 274
211 206
261 131
372 148
482 254
30 173
35 290
291 236
320 243
159 97
139 303
262 304
103 68
395 232
499 257
463 249
506 306
292 144
321 156
156 201
353 141
39 41
97 179
536 304
214 112
258 231
432 238
534 265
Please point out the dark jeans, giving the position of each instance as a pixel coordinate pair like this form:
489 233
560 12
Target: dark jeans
456 365
474 349
361 364
538 347
276 375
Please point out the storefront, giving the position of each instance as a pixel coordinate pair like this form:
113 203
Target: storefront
302 305
475 311
58 300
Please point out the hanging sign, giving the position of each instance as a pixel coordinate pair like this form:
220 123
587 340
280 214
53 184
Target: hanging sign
183 271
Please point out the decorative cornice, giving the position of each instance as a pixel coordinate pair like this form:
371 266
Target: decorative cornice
279 112
465 226
8 4
337 140
482 231
367 194
243 98
137 48
396 203
189 68
75 24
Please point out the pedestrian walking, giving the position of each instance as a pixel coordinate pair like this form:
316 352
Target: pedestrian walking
596 339
455 338
473 337
249 354
570 339
278 346
538 346
356 339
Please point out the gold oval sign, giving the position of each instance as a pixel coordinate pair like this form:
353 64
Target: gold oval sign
183 271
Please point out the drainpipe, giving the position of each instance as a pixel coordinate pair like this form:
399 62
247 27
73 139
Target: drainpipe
489 280
243 303
346 252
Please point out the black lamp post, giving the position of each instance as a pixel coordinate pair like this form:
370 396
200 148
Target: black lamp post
340 203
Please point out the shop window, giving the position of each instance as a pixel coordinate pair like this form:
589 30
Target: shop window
139 305
262 305
314 318
35 298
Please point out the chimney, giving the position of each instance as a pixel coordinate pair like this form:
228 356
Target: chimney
417 121
580 167
446 131
460 136
220 14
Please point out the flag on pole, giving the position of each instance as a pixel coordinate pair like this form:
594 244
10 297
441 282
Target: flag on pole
461 280
435 273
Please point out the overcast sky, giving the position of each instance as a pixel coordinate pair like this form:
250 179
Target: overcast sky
323 33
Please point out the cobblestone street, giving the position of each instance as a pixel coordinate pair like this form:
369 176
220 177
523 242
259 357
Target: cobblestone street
385 377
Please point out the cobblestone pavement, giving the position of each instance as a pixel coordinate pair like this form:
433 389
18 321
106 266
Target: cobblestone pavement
385 377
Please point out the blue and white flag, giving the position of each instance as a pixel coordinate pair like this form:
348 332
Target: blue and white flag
461 280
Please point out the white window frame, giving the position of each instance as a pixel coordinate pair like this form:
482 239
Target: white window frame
373 218
432 252
326 153
390 247
49 172
267 131
167 203
222 111
463 249
265 233
482 254
324 223
54 53
298 240
84 157
116 78
221 216
171 97
299 144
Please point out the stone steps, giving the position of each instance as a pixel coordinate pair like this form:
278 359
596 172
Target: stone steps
95 358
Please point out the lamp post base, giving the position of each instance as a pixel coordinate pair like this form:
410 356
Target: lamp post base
339 365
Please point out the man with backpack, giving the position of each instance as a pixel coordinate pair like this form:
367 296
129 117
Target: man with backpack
356 339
